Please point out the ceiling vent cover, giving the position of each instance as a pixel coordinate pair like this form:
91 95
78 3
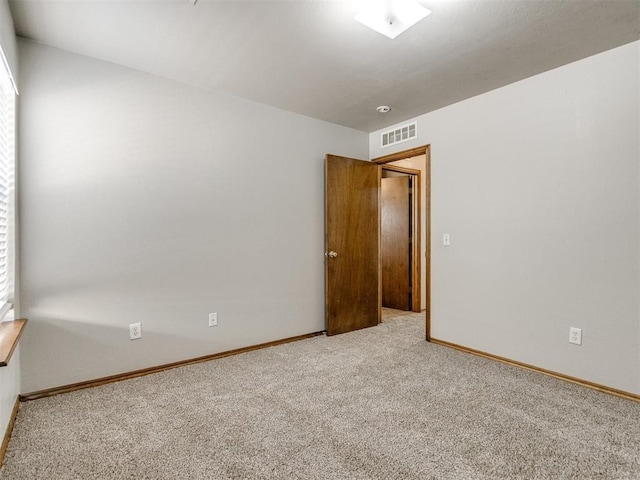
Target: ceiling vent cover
400 134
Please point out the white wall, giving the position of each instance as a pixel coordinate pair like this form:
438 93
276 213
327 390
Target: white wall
145 200
538 184
9 389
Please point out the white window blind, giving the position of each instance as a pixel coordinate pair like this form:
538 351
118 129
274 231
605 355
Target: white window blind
7 162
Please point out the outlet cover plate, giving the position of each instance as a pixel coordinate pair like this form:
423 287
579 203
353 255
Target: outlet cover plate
135 331
213 319
575 336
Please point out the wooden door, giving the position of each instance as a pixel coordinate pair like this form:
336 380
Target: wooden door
352 244
396 248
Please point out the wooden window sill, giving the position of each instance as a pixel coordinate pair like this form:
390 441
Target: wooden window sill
9 335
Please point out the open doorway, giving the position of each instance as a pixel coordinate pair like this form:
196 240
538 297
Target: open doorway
352 240
417 159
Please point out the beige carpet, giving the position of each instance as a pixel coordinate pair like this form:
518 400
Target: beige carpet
375 404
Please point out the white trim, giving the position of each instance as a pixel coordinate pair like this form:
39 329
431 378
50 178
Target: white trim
7 180
6 308
5 64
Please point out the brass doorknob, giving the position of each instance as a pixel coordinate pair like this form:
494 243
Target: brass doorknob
332 254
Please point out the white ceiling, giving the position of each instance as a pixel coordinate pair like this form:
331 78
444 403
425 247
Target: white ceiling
311 57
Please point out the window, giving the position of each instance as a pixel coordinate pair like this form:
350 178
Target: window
7 187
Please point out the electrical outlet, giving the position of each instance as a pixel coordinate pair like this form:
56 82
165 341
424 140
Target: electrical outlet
135 331
213 319
575 335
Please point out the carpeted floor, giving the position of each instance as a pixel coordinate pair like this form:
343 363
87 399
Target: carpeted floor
379 403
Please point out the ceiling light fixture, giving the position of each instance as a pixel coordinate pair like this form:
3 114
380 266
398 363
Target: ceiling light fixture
383 109
391 17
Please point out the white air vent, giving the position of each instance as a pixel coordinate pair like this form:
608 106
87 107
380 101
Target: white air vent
400 134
